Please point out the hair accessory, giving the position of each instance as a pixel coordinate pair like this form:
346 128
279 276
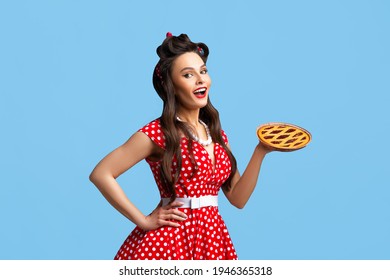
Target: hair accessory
201 51
157 71
169 34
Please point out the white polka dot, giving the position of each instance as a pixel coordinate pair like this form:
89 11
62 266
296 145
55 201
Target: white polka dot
196 179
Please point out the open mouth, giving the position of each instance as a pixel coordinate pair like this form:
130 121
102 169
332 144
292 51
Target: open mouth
200 92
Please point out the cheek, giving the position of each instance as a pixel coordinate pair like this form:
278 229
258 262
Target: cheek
208 80
182 89
179 91
181 95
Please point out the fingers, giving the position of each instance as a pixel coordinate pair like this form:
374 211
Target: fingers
170 215
170 212
176 204
157 220
180 216
169 223
171 209
169 220
167 215
266 149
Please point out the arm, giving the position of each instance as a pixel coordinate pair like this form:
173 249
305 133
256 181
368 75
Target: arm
243 186
138 147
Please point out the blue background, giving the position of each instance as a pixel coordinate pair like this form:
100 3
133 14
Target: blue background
75 83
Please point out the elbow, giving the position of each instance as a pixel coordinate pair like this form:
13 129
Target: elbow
92 177
95 179
100 177
239 205
236 201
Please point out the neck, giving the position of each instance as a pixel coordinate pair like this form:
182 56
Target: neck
191 117
200 125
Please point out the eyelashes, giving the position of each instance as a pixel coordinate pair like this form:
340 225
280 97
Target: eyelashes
189 75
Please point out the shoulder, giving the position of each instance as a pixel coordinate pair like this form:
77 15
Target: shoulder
154 131
224 137
151 128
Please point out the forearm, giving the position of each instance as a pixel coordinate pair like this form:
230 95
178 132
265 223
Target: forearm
243 187
104 175
115 195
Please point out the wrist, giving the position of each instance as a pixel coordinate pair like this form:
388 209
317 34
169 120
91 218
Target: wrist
143 223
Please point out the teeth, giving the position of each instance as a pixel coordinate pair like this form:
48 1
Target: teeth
200 90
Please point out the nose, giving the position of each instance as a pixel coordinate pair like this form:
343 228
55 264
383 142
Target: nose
200 80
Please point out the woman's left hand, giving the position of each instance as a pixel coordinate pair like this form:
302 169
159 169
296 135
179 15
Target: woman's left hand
264 149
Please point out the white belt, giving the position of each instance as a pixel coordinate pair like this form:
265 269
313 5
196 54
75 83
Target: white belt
194 202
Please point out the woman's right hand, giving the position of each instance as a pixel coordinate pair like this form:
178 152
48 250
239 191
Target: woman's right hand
164 216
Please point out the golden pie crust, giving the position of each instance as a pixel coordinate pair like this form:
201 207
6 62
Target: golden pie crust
283 136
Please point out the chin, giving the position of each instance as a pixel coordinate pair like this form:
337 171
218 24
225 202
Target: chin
203 104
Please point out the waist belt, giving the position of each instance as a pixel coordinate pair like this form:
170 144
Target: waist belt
194 202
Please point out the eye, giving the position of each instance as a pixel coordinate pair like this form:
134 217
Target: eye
187 76
204 71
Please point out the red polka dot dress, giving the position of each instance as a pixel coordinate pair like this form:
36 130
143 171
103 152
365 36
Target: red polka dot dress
203 235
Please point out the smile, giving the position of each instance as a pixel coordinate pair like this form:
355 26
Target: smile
200 92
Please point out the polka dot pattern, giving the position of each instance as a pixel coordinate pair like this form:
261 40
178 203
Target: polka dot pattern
203 236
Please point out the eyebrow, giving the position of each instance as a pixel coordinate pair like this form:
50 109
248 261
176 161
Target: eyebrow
191 68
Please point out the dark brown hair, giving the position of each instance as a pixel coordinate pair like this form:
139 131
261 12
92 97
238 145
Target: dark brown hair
168 51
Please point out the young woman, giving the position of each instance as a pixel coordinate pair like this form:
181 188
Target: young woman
190 158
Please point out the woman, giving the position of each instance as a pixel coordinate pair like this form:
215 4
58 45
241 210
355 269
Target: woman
191 161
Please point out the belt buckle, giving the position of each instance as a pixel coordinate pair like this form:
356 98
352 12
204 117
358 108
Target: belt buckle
195 202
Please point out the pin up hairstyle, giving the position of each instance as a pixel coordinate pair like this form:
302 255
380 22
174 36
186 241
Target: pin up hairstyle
170 49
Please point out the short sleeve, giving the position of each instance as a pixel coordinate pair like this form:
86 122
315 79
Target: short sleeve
224 137
154 132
